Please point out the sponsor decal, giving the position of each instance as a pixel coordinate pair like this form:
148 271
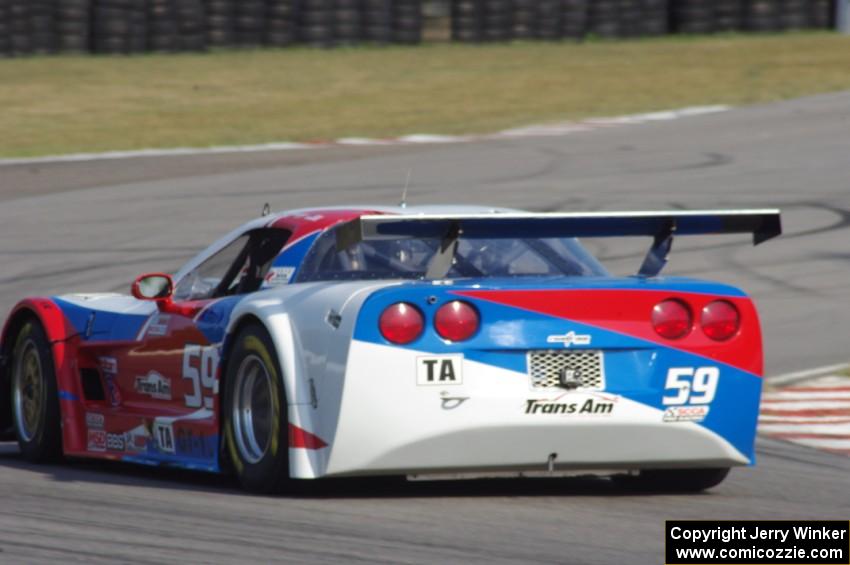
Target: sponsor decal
159 324
278 276
163 434
136 440
94 420
112 390
109 368
115 442
96 440
154 385
451 402
571 405
193 444
439 370
569 339
109 365
685 413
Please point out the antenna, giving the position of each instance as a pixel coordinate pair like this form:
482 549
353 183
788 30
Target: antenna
403 202
266 209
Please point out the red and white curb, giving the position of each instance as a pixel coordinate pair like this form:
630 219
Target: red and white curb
815 413
543 130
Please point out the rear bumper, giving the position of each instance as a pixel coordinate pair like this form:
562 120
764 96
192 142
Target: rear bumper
494 421
474 449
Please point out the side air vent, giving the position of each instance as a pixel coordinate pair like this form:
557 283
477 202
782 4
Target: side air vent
92 385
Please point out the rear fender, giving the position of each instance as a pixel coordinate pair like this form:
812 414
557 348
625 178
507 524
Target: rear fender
64 344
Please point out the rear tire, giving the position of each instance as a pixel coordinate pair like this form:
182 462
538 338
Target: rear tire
672 480
255 422
35 400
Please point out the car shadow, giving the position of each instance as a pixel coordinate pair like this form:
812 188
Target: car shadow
140 476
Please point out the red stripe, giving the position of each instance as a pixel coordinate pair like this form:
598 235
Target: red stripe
826 412
303 439
629 311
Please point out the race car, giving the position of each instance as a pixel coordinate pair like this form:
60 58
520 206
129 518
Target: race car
417 341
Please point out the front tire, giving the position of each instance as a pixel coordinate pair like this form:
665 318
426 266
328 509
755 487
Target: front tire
255 422
672 480
35 400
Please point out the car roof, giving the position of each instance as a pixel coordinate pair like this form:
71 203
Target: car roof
304 222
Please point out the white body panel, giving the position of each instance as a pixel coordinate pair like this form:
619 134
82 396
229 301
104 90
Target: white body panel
423 429
364 400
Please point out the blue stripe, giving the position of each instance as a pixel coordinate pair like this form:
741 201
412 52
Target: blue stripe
635 369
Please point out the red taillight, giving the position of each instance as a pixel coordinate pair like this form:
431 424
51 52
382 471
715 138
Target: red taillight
401 323
720 320
672 319
456 321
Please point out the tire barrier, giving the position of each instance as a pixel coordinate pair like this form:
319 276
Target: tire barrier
468 20
73 25
504 20
220 22
281 25
119 26
407 21
176 25
378 21
717 16
136 26
500 20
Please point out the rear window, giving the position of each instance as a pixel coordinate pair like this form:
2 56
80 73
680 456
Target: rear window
475 258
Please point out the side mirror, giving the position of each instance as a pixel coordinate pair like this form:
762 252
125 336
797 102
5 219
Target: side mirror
156 286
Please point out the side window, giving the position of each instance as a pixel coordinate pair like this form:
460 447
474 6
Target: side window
205 279
237 269
253 265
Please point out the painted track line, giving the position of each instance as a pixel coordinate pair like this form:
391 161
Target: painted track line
799 376
542 130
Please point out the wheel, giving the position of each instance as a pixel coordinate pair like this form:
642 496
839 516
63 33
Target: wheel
672 480
256 427
35 401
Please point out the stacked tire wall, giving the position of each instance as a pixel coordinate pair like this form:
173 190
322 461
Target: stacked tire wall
503 20
137 26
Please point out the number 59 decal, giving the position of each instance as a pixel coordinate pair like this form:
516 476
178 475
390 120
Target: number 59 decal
200 365
689 385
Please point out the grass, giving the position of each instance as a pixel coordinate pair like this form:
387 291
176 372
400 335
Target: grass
51 105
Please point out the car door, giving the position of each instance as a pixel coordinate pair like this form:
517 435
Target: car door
172 376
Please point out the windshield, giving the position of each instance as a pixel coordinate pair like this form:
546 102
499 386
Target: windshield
475 258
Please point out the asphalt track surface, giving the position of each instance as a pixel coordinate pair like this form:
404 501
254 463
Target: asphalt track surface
95 226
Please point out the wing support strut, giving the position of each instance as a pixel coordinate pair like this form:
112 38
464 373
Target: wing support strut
442 261
656 257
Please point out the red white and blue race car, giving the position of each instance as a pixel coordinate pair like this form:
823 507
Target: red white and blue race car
402 341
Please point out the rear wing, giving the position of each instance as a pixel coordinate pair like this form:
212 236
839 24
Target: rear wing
763 224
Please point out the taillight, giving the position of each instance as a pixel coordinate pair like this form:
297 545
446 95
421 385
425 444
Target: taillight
720 320
456 321
401 323
672 319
